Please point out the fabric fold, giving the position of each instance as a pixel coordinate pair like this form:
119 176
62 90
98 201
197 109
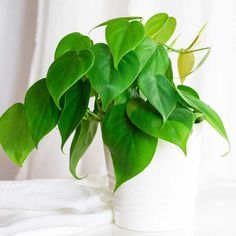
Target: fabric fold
43 204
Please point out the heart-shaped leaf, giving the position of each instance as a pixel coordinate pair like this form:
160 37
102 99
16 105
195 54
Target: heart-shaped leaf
66 71
175 130
41 112
152 57
72 42
122 37
210 115
75 107
131 149
185 65
15 136
106 80
160 27
159 92
83 137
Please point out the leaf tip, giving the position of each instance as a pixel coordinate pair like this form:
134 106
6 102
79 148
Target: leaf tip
228 151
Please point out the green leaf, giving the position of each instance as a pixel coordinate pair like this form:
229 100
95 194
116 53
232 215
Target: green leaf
159 92
105 79
189 91
75 107
169 72
72 42
82 139
131 149
66 71
15 136
41 112
160 27
129 18
185 65
175 130
122 37
152 57
210 115
126 96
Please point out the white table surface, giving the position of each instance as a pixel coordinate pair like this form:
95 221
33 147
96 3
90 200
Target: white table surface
112 230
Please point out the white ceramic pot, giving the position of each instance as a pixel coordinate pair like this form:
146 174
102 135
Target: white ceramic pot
163 196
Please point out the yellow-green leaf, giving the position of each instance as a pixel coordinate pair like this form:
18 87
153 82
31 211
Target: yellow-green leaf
185 65
160 27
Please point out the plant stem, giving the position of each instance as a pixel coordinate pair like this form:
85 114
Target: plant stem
197 50
98 118
183 51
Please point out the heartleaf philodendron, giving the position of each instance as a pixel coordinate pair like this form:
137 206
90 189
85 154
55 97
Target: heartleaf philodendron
210 115
41 112
15 136
160 27
131 149
66 71
72 42
82 139
122 37
75 107
106 80
185 65
159 92
175 130
152 57
134 92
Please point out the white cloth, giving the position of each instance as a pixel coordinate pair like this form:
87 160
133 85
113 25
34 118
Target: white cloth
61 206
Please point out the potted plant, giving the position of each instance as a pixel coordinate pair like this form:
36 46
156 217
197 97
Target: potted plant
139 105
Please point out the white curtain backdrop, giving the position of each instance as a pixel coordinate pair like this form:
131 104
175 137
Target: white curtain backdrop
31 29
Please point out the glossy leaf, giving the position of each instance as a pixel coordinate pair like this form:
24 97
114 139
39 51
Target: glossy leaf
126 96
105 79
190 91
159 92
66 71
175 130
185 65
210 115
82 139
160 27
41 112
122 37
131 149
129 18
72 42
75 107
15 136
153 58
